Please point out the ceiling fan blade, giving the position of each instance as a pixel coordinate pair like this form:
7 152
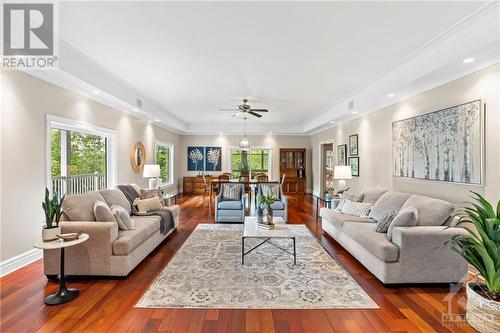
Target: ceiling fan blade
254 114
259 110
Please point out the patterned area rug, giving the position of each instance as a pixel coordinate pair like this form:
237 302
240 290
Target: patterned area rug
206 272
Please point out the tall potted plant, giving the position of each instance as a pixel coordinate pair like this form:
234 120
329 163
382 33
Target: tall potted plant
481 249
53 211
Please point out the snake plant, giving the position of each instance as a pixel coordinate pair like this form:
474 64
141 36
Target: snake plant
481 246
53 209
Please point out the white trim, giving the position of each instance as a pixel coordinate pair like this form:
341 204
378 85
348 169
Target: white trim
82 127
170 161
21 260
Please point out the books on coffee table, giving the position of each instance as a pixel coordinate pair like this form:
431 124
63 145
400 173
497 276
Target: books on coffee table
265 226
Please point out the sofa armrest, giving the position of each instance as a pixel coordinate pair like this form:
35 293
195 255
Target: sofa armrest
423 251
175 211
99 232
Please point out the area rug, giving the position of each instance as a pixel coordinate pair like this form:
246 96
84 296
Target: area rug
207 272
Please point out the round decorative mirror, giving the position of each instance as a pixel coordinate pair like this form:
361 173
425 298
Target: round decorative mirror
137 157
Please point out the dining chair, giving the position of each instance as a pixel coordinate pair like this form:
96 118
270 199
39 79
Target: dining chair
206 188
246 180
262 177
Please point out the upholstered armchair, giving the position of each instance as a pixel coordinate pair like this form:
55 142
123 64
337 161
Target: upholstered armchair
230 210
280 205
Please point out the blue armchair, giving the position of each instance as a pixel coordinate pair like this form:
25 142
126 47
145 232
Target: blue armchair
230 210
280 205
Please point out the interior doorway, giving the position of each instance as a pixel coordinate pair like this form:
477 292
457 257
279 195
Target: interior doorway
326 165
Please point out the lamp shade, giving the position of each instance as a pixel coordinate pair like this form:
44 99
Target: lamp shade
342 172
151 170
244 144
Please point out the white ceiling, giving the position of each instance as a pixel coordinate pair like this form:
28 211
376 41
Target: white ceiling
299 60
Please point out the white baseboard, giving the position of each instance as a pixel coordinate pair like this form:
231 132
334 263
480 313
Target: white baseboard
14 263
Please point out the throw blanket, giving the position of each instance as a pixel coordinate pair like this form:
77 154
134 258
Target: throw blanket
166 218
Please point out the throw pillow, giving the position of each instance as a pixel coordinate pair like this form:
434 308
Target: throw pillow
407 217
145 205
274 190
102 212
348 196
231 192
384 223
146 194
122 218
360 209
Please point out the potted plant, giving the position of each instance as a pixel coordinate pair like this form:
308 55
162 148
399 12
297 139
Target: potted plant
481 249
53 211
266 201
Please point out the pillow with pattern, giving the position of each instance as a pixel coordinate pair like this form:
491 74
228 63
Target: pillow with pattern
271 189
146 205
384 223
146 193
356 197
231 192
360 209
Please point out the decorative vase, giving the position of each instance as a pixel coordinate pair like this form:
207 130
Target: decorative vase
267 215
50 234
483 314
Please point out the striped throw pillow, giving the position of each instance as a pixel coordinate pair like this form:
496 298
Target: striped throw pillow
360 209
384 223
231 192
274 190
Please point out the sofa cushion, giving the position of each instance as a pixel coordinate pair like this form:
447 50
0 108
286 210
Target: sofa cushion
146 205
129 240
122 218
278 205
81 207
407 217
360 209
114 196
338 218
102 212
430 211
372 194
273 189
356 197
384 223
390 201
230 204
365 235
231 192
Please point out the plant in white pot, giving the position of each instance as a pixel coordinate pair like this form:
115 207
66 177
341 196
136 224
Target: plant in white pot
53 211
481 249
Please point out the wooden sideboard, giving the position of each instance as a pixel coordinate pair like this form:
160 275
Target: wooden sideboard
293 166
194 185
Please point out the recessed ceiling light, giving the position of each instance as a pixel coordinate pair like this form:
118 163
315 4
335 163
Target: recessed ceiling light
221 133
97 92
468 60
332 122
354 112
270 133
135 109
391 95
157 120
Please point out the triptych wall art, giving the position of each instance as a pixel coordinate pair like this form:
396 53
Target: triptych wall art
204 158
445 145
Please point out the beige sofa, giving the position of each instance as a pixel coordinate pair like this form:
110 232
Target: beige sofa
108 251
415 254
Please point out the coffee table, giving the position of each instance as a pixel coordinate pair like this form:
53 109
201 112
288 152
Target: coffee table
64 294
282 231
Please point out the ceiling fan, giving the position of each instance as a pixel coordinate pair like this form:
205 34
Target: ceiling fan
245 108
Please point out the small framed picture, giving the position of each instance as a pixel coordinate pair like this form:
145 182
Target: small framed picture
354 163
341 155
353 145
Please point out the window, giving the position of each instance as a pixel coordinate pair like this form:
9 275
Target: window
250 162
80 157
164 153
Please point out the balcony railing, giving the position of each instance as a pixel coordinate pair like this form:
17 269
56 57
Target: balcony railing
78 184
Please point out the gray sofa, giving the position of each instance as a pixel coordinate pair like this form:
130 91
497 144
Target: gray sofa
279 206
231 211
415 254
108 251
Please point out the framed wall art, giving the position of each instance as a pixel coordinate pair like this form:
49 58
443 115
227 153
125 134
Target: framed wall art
342 154
354 163
196 158
353 145
213 158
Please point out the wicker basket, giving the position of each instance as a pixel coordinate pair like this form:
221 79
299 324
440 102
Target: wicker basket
482 314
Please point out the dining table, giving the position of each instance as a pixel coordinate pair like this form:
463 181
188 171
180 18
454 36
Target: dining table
246 183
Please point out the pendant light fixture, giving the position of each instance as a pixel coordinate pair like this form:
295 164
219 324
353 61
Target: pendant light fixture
244 143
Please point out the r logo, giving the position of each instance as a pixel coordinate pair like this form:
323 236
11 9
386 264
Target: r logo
28 29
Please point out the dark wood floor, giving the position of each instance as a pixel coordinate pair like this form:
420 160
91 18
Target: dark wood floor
107 305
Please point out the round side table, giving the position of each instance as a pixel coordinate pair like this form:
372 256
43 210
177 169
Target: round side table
64 294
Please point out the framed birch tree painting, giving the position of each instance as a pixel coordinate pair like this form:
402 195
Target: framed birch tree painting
444 145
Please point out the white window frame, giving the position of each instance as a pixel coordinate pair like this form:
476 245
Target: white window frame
269 163
56 122
170 161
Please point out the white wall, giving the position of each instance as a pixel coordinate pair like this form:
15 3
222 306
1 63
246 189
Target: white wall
275 142
375 138
25 103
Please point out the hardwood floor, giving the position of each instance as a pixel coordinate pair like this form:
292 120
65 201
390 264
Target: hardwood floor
107 304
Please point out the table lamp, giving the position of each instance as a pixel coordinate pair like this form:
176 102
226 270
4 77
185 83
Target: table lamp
152 171
342 172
